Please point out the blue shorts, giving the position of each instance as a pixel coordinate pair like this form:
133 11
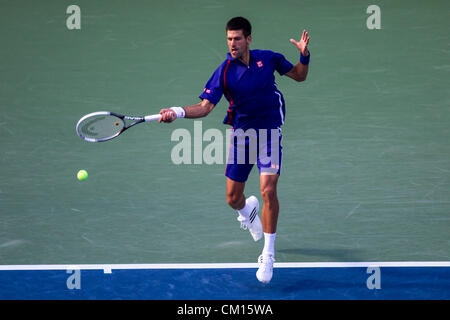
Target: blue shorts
260 146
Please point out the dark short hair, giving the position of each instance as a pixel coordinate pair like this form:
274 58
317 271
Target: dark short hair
240 23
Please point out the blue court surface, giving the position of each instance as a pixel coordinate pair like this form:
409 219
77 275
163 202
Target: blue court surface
291 281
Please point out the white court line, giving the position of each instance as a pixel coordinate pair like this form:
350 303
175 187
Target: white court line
107 268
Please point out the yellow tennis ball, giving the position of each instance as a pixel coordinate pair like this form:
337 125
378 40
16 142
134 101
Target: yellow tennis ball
82 175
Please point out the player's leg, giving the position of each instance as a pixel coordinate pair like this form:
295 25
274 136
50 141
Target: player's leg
237 173
247 209
269 215
269 164
235 194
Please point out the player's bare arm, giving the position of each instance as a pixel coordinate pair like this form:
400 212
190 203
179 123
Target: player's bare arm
300 70
199 110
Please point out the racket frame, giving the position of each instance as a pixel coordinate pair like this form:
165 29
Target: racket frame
136 120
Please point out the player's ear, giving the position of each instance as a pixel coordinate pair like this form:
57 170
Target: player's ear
249 39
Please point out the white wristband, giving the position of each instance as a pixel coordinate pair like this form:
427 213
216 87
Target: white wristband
179 111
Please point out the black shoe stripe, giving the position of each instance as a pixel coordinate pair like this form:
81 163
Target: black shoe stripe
253 215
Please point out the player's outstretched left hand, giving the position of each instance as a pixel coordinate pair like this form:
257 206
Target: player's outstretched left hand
302 45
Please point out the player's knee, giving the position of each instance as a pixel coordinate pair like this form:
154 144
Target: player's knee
234 199
269 193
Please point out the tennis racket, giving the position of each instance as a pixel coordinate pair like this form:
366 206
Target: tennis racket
103 125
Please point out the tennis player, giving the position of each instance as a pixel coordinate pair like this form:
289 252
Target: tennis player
256 112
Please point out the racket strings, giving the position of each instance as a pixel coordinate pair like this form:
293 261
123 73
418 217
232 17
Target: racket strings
101 127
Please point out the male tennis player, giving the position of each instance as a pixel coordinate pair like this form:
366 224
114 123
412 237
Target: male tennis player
256 109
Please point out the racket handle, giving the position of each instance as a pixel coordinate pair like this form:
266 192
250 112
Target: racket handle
153 117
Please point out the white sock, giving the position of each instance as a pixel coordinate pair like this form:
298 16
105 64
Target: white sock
269 244
245 211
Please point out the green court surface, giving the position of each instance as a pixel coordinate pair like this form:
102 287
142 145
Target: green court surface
366 166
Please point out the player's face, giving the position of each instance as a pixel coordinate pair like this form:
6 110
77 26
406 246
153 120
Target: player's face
238 44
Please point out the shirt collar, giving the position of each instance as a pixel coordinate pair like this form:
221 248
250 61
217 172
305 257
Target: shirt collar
229 57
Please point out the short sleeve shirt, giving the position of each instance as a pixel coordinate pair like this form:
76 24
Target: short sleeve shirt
254 100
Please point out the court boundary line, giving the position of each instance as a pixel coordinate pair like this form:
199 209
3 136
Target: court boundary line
107 268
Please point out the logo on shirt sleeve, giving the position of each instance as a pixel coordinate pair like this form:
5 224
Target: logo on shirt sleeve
208 91
259 64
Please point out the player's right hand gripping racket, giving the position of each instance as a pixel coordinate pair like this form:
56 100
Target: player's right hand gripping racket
104 125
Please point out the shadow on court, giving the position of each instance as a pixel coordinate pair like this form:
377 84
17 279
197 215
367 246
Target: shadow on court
341 255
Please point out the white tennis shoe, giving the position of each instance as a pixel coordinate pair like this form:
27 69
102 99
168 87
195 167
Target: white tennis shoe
253 222
265 270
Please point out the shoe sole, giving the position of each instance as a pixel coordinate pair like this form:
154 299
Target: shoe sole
263 280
